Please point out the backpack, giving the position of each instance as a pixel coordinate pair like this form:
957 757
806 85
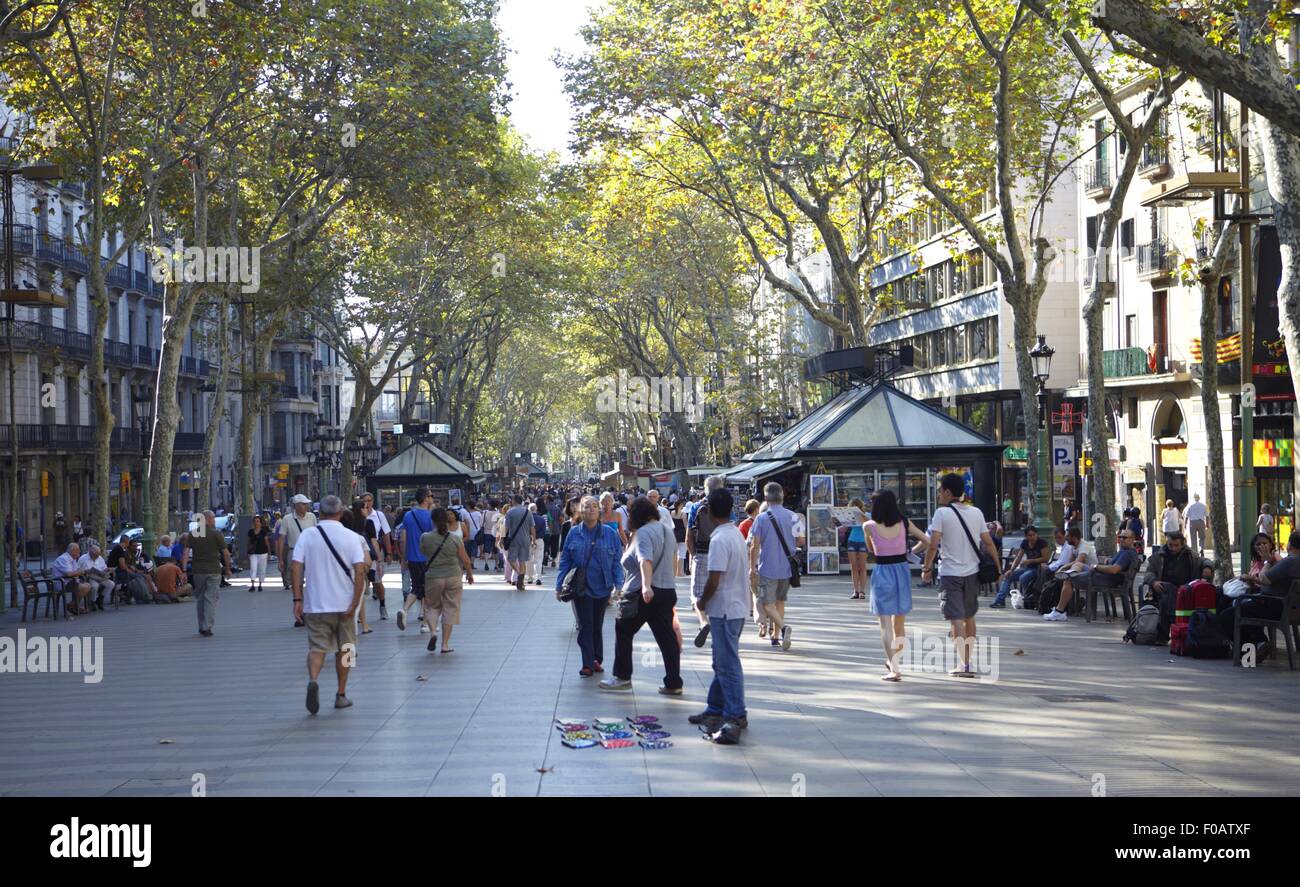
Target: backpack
1205 639
1049 596
1144 630
1029 598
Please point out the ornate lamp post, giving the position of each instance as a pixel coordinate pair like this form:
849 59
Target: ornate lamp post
328 443
1041 355
143 404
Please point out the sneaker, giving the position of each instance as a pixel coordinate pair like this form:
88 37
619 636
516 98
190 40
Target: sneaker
670 691
401 620
519 584
1054 615
433 643
424 629
775 642
702 636
313 697
341 701
383 612
615 684
785 637
729 734
585 672
706 718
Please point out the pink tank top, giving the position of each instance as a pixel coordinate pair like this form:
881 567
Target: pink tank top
897 545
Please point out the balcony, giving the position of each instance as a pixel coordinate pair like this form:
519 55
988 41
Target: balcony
76 189
43 337
119 275
188 442
278 454
118 353
1155 159
1125 362
146 357
1154 260
1097 177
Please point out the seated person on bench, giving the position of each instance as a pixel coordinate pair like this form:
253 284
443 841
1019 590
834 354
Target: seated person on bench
95 570
1267 590
122 559
1171 567
67 571
1032 552
1109 575
1067 550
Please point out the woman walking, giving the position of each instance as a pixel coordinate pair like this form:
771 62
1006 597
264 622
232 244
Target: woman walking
649 596
259 551
857 546
594 548
891 581
1171 519
443 583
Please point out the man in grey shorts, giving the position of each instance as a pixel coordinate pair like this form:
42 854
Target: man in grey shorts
767 557
953 533
520 538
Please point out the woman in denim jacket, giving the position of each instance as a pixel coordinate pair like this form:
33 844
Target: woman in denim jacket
591 539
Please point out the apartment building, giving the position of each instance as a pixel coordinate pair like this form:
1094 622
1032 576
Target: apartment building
945 300
1153 320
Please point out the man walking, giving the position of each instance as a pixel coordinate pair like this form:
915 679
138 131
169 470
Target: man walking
952 535
333 559
415 524
725 601
518 543
1196 516
291 529
772 545
209 560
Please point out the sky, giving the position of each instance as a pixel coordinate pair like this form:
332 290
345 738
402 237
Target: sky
534 30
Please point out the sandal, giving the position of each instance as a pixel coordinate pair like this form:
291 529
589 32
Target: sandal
367 630
446 650
893 678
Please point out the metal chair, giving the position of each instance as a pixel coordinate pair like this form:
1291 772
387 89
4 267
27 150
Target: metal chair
32 593
1109 593
1287 621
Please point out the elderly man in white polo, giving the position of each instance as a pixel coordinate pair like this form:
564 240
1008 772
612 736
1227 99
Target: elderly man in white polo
332 559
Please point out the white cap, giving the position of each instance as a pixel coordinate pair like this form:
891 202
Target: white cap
300 499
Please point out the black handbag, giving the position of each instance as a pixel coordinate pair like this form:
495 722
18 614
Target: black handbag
794 561
575 581
988 571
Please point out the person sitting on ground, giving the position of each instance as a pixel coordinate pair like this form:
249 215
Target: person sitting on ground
164 552
1109 575
171 584
1032 553
73 576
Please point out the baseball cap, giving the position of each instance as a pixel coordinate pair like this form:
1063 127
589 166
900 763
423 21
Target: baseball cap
300 499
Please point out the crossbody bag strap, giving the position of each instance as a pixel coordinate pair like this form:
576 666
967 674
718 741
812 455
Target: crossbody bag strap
966 530
520 526
779 537
333 551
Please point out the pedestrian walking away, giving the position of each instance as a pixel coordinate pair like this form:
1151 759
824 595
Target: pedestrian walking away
649 597
952 537
518 540
259 551
415 524
1196 516
772 543
891 581
329 577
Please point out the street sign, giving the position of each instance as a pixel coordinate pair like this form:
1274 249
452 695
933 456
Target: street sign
440 429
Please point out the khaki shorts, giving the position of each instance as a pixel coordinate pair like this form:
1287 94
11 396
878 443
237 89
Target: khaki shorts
443 596
772 590
329 632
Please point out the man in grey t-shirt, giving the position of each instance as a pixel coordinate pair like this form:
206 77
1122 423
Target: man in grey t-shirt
520 532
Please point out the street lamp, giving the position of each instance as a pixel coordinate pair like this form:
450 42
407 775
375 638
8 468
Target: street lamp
1041 356
328 444
142 402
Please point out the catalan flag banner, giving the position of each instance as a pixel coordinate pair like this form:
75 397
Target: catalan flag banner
1224 349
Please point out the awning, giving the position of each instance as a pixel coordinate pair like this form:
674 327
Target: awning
752 472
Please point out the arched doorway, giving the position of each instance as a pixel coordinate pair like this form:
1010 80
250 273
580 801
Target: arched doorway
1169 436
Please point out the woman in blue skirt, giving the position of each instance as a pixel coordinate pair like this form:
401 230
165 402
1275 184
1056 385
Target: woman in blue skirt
891 581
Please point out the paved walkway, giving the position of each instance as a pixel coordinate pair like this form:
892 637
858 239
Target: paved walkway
1069 707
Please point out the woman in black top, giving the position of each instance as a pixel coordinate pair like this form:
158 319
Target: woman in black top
259 552
572 515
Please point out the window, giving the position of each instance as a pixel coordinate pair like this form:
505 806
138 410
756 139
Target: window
1126 239
1130 330
958 348
1132 412
72 394
979 338
940 340
1228 307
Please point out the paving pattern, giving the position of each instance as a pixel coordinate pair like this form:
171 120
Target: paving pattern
1071 710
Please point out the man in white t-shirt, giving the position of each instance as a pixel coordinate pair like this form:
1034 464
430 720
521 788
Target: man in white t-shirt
665 516
332 559
291 530
955 531
1195 516
725 602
